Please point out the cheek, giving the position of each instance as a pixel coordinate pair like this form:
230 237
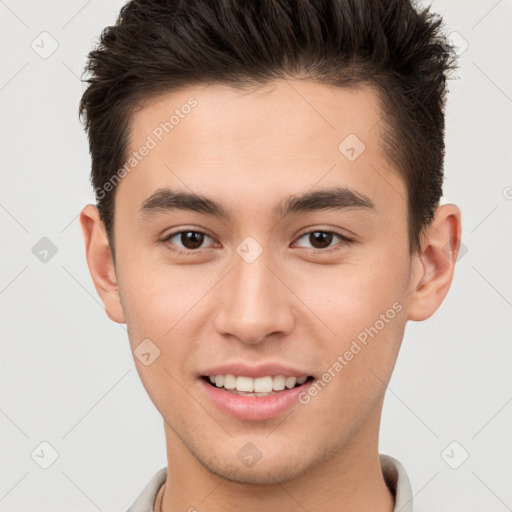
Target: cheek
157 298
166 305
364 307
349 298
365 311
162 306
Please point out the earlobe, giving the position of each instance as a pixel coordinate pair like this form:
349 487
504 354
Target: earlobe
434 265
100 263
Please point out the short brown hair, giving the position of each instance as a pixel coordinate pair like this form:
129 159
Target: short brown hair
158 46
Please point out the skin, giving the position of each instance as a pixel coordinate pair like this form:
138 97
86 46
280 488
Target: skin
294 304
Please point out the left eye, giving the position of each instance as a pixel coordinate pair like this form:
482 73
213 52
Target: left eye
322 239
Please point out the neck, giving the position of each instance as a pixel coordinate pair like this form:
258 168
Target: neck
350 480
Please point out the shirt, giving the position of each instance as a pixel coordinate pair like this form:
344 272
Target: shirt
394 474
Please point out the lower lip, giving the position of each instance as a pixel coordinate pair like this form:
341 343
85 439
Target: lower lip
253 407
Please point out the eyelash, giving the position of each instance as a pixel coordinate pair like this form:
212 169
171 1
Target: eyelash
190 252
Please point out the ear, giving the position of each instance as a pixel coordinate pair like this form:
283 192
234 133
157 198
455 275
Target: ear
100 262
433 266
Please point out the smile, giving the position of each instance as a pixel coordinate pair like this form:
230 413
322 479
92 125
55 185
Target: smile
260 386
250 398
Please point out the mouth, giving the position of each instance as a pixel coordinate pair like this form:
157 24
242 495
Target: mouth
254 392
256 387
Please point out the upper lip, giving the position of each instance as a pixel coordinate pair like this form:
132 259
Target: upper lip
254 371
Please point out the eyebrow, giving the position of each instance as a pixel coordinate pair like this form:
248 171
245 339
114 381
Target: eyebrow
166 200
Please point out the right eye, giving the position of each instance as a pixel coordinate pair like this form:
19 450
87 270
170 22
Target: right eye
189 239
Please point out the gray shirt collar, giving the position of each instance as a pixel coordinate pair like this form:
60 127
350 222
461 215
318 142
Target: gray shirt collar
394 473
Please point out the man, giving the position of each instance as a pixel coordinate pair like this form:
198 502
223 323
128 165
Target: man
268 177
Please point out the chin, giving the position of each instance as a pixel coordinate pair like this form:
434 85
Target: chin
262 476
261 473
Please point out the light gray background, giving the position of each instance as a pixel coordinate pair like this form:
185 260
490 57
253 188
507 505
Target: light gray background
67 375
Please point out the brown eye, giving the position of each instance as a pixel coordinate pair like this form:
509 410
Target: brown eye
191 239
321 240
186 241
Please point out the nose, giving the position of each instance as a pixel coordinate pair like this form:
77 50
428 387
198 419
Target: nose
254 303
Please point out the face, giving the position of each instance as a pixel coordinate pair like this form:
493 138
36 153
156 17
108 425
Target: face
315 288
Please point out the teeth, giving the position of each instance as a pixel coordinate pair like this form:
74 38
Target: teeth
263 384
260 386
243 384
229 381
290 382
278 383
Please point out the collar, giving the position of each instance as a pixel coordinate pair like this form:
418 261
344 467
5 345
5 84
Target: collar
394 474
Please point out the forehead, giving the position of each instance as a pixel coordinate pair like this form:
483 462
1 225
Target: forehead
286 112
259 144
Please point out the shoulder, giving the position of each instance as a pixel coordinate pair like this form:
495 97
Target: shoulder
145 501
397 480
